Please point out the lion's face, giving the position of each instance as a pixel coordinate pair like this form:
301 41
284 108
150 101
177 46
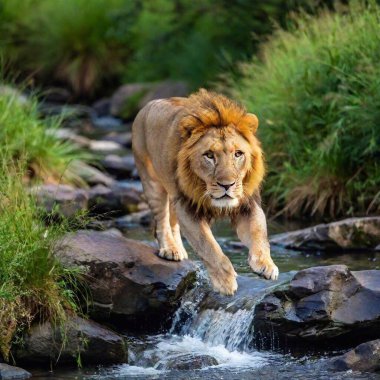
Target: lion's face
221 159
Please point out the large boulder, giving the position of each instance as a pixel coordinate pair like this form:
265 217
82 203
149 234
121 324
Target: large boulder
78 341
349 234
326 306
129 283
364 358
130 98
126 101
9 372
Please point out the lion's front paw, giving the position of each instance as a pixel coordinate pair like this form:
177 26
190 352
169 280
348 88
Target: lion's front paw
171 253
223 278
264 267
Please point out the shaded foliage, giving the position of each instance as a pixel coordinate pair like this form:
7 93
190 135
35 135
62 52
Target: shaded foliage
316 90
90 44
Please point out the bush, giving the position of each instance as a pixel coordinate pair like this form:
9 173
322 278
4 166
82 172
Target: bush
74 42
88 44
197 40
316 90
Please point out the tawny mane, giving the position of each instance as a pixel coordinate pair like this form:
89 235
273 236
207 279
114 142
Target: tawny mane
205 110
208 109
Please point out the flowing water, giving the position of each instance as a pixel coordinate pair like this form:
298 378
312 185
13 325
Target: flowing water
225 332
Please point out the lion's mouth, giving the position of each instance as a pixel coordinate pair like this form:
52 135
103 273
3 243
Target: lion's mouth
225 196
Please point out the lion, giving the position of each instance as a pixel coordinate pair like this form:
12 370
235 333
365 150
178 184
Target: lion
199 159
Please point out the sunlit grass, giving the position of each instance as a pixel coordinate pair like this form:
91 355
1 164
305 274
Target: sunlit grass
23 135
316 90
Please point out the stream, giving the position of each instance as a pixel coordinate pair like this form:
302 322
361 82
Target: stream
224 335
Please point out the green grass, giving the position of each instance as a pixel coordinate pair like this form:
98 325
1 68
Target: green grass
33 284
23 135
316 90
34 287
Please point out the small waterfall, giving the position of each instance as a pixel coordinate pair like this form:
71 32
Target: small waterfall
207 325
219 320
219 327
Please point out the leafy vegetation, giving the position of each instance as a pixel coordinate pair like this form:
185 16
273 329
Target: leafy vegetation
89 44
73 42
316 90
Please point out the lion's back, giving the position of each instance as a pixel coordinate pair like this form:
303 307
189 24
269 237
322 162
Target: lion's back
155 133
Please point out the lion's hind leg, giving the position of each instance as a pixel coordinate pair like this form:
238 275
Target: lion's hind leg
158 201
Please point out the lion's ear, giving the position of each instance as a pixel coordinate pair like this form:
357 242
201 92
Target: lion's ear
187 125
252 121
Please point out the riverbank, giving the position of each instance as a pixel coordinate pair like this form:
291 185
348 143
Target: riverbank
160 318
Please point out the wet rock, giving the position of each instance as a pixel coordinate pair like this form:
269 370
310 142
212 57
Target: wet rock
142 218
107 123
125 102
8 372
364 358
250 290
102 107
119 166
69 135
353 233
89 174
124 138
104 146
63 199
78 338
114 201
321 307
188 362
129 283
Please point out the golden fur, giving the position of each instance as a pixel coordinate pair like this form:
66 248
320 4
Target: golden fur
210 110
199 158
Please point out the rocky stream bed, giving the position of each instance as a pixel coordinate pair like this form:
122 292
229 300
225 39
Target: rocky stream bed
151 318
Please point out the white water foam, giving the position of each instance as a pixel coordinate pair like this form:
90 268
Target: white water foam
177 346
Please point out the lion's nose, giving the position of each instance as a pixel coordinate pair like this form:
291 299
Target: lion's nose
226 186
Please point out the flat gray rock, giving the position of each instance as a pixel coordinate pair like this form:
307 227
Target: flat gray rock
54 345
9 372
347 234
64 199
364 358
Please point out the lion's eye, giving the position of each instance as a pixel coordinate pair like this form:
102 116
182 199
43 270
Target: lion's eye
238 153
209 155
